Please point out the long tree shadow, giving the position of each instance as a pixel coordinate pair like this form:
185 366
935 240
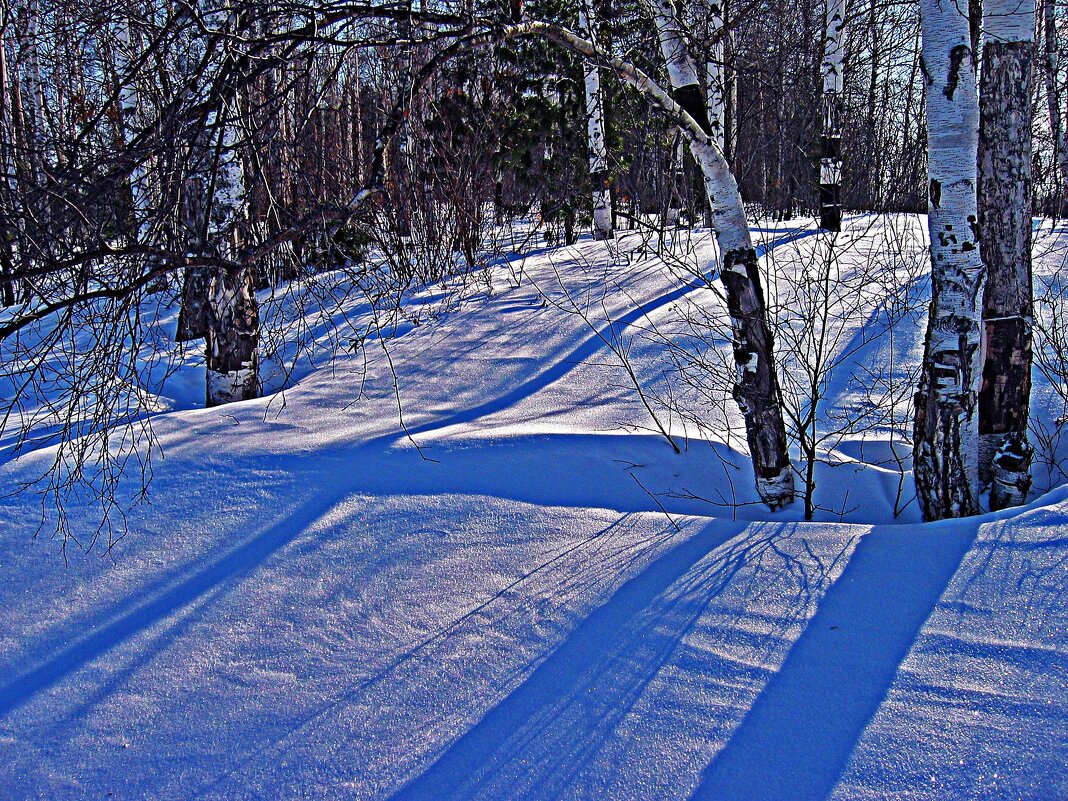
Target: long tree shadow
798 737
537 740
174 594
525 469
609 332
183 588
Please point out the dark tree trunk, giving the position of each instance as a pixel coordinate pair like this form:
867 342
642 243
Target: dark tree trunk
192 319
232 338
1005 219
756 389
1055 107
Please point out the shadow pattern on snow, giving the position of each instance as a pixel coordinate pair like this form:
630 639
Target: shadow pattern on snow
799 734
567 712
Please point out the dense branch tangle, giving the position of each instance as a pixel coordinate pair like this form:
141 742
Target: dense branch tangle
223 52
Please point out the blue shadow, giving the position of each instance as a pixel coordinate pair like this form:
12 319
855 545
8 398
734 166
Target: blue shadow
591 646
799 734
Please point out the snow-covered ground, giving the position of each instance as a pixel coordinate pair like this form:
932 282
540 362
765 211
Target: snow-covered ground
523 592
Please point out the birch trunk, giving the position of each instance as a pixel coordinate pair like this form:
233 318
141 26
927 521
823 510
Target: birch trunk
33 91
831 141
1055 104
140 200
8 183
595 129
947 415
232 315
717 106
756 388
682 69
1005 219
232 338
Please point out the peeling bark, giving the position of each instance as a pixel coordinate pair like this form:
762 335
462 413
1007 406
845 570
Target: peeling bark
232 338
946 422
1005 217
232 313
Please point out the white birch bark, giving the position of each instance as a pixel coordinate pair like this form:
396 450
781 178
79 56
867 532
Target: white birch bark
756 382
717 105
947 414
33 90
1005 216
128 110
831 144
595 132
232 338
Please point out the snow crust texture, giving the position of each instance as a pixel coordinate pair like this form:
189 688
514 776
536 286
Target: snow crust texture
541 600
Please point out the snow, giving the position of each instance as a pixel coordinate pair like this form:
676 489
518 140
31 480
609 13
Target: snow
529 594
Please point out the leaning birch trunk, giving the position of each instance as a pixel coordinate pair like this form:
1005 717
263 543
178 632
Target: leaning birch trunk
831 141
1005 219
1055 106
756 388
232 314
947 414
602 197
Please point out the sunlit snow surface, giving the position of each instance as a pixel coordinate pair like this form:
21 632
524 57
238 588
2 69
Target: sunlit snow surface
538 601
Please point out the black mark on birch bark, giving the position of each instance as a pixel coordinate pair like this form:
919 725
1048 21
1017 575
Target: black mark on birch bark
956 58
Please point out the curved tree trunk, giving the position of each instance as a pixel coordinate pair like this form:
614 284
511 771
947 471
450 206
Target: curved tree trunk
1005 218
947 415
756 388
831 141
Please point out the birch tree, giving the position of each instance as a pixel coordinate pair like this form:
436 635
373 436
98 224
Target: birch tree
831 141
717 103
32 90
232 332
1005 217
9 181
140 201
947 416
1055 101
756 387
602 197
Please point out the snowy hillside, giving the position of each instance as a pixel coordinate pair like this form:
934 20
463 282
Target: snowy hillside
460 561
